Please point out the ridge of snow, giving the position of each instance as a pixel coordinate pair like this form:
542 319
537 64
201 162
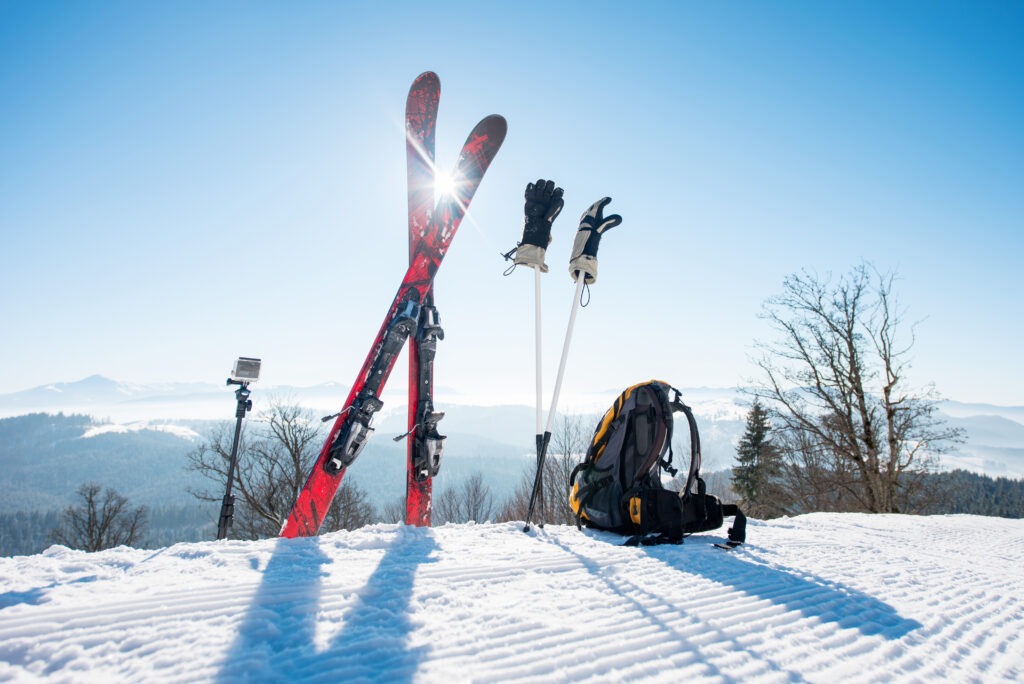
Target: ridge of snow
820 597
117 428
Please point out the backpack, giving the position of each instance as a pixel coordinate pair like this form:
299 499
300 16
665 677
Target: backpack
618 485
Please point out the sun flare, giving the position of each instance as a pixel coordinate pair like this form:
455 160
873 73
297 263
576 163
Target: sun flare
444 183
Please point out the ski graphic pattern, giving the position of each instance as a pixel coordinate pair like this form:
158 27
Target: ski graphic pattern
352 426
420 125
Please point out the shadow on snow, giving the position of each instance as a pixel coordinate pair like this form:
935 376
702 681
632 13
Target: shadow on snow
35 596
276 640
810 596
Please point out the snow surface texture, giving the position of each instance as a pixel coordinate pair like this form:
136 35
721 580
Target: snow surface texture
821 597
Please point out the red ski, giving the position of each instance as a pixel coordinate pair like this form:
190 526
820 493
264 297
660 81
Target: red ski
353 425
425 443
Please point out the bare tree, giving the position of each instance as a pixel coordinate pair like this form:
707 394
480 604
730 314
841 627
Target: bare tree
274 458
568 446
472 500
104 520
851 432
516 505
445 507
350 510
394 511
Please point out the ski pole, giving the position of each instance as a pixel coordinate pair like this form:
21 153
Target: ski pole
539 380
543 204
537 493
583 269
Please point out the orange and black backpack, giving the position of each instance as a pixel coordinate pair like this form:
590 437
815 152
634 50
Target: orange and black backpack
618 485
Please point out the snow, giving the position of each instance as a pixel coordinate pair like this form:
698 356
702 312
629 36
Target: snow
821 598
116 428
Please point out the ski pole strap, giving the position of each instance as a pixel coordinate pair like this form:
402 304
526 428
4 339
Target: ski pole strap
507 256
585 295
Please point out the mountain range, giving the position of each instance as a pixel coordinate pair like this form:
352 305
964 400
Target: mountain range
136 436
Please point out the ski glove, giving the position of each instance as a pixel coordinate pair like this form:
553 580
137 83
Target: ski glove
584 250
543 204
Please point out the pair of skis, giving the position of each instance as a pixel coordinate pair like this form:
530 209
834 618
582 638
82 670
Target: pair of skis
411 316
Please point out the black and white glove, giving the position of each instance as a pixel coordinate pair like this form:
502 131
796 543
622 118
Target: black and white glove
593 224
543 204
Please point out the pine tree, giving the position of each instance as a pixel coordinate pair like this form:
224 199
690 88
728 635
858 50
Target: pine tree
755 477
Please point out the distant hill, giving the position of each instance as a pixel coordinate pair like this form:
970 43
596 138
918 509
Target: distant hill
46 457
135 437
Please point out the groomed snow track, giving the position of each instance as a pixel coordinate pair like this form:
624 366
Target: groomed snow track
821 598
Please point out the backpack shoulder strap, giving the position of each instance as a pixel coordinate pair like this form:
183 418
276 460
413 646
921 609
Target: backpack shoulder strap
677 405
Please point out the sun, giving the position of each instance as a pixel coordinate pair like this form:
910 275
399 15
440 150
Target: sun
445 183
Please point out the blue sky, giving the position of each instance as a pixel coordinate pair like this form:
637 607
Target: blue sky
182 183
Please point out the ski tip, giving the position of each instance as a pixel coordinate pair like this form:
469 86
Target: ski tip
492 122
424 92
494 126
